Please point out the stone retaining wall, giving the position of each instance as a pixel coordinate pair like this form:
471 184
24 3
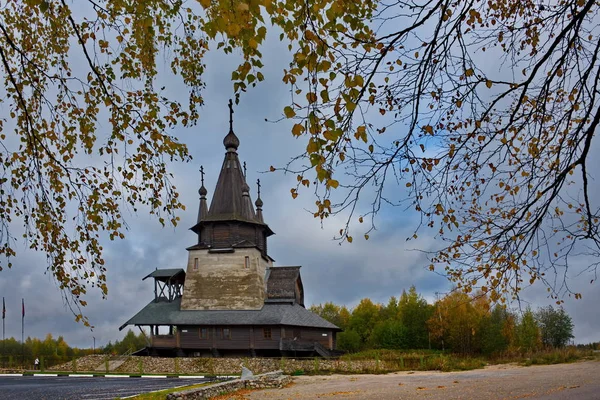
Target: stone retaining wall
83 364
263 381
230 366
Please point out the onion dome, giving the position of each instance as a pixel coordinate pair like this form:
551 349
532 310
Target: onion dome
231 141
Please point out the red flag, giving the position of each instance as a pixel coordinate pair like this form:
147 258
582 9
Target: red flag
23 303
3 309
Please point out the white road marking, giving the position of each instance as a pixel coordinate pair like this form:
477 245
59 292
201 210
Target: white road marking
45 375
154 376
81 376
101 398
11 374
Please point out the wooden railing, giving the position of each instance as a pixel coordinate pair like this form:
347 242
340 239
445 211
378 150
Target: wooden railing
164 341
298 345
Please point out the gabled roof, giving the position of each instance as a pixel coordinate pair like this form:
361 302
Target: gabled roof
281 283
165 274
169 313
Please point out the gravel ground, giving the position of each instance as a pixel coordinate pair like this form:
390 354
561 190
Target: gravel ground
563 381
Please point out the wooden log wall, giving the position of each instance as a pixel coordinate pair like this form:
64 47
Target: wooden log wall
247 337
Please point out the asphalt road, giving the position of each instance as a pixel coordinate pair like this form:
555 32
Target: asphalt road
61 388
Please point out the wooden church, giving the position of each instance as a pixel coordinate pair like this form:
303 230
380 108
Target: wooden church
231 300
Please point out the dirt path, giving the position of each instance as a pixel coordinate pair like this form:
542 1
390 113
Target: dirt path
564 381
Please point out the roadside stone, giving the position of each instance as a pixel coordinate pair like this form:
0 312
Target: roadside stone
268 380
246 373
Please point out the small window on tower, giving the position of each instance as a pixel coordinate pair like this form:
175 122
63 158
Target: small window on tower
195 263
247 262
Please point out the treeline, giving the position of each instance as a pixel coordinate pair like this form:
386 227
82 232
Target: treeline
130 343
457 322
52 350
55 351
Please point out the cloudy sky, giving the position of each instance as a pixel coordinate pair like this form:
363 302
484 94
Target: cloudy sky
378 268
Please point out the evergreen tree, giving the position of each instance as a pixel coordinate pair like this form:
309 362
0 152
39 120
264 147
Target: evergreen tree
414 313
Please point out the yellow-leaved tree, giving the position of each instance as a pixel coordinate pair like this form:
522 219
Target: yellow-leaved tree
483 112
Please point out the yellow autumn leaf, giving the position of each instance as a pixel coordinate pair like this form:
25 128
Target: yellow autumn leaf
333 183
298 129
324 66
312 147
289 112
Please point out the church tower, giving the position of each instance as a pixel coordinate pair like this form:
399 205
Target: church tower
227 267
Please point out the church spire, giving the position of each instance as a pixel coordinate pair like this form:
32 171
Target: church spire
259 203
203 210
231 200
231 221
231 141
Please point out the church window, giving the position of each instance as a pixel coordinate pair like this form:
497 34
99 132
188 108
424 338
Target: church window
203 333
225 333
267 333
195 264
247 262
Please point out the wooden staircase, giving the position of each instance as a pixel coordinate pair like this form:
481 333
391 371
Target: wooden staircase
114 362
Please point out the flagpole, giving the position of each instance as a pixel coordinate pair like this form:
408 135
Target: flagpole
22 333
3 333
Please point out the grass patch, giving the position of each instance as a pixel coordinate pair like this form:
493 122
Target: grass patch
162 394
435 360
546 357
559 356
384 354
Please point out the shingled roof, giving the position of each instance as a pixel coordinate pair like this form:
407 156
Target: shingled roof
231 200
169 313
167 273
281 284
